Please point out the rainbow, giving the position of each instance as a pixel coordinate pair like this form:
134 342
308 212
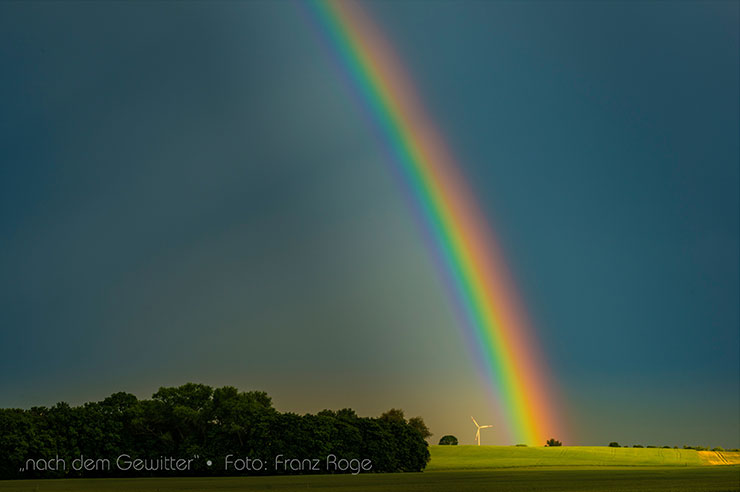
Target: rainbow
471 264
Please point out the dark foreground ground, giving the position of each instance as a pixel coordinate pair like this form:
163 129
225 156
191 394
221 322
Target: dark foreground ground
604 479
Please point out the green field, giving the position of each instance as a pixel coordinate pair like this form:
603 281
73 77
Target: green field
477 457
465 468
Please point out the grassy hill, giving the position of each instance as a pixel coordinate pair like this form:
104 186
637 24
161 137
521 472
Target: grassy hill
485 457
468 469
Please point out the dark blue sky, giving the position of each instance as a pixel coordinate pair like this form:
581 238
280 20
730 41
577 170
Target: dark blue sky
188 192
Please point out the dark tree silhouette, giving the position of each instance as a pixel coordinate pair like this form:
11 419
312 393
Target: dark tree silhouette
418 424
448 440
195 419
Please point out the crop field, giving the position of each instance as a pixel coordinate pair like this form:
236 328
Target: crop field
482 457
468 468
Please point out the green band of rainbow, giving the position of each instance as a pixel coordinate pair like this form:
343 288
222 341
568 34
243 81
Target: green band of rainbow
470 257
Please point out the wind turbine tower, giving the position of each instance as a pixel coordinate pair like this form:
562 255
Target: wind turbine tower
479 427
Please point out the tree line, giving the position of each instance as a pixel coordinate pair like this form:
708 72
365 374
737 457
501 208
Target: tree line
195 420
615 444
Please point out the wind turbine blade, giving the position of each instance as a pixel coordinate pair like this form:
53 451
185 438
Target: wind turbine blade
485 426
476 423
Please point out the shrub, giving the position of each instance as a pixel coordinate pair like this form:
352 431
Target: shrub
718 448
637 445
613 444
521 445
552 442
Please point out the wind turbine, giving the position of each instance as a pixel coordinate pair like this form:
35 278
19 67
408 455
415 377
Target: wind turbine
477 433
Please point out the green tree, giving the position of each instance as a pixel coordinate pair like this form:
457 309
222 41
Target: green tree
448 440
393 415
552 442
195 419
614 444
417 423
